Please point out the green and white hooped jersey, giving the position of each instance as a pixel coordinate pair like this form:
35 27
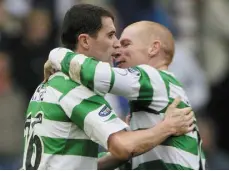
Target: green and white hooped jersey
65 121
150 91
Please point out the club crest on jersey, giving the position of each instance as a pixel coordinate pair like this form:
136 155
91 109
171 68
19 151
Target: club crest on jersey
105 111
134 71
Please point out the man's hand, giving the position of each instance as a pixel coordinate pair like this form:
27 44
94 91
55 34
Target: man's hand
48 71
179 120
53 64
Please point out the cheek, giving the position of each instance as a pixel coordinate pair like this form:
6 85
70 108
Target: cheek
106 46
127 52
100 48
134 56
105 50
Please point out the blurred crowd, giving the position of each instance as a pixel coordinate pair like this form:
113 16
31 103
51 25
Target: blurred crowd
29 29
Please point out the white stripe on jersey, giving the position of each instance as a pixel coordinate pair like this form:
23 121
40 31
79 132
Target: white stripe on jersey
52 95
148 120
203 163
178 91
193 134
75 97
125 84
99 81
159 89
144 120
168 155
67 162
56 56
97 129
57 129
80 58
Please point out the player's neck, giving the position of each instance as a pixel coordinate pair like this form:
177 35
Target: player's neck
160 64
82 51
164 67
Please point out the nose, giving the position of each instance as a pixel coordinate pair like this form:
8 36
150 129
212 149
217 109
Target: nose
117 44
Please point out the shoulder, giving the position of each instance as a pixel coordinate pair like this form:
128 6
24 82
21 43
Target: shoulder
148 69
61 83
170 77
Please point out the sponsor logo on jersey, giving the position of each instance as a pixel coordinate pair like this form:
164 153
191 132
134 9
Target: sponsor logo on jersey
134 71
105 111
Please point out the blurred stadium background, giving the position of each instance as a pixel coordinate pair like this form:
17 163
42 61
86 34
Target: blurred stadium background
29 29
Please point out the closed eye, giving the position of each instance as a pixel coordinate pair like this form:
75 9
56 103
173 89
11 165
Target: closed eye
125 43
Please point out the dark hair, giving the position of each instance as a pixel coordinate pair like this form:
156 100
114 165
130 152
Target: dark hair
79 19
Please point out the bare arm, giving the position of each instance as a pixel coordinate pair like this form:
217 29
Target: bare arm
124 145
172 125
137 142
113 161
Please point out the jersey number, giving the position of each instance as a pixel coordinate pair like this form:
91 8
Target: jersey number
33 143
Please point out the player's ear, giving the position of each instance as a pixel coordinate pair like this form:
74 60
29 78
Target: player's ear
83 41
154 48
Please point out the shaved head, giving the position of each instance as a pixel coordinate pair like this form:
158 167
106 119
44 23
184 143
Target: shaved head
145 42
148 32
